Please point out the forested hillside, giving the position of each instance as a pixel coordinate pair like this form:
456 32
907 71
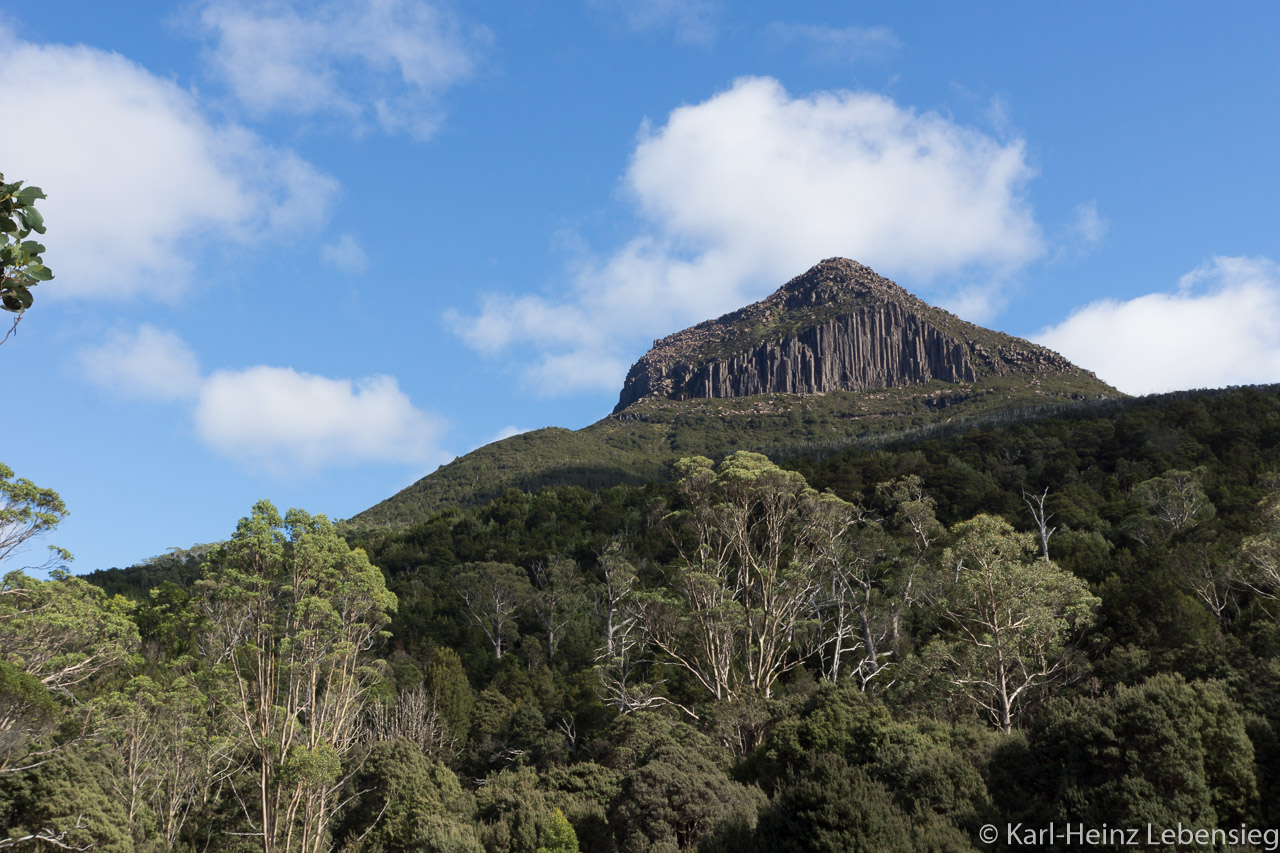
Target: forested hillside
836 357
1068 619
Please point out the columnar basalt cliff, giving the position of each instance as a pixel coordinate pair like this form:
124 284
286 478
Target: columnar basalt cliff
837 327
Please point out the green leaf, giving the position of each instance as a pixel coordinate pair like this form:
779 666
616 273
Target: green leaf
30 194
34 220
39 272
31 247
18 298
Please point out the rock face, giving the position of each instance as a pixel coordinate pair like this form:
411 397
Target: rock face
838 327
875 347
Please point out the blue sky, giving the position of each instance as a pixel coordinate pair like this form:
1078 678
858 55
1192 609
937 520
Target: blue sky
310 251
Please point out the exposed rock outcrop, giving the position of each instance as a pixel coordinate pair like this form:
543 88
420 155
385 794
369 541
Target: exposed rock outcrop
837 327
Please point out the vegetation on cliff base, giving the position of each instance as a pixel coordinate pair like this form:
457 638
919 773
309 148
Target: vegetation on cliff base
639 445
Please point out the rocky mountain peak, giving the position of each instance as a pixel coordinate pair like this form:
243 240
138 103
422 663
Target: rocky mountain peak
834 280
837 327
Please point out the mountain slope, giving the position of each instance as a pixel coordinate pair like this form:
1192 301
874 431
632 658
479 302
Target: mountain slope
836 356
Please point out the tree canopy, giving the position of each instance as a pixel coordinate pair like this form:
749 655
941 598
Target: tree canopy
906 655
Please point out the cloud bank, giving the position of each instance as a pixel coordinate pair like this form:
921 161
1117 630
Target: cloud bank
383 62
753 186
138 176
275 417
1220 327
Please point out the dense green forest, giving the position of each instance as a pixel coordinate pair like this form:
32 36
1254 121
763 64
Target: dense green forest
1067 620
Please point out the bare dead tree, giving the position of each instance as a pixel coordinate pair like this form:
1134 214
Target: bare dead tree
1214 582
506 755
568 726
622 655
1041 517
53 837
414 717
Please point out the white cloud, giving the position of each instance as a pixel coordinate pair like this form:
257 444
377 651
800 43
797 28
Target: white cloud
346 255
976 303
136 173
276 417
751 187
502 322
385 61
754 169
290 420
838 44
1220 327
692 21
148 364
583 369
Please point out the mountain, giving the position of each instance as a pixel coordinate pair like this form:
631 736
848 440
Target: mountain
837 327
836 356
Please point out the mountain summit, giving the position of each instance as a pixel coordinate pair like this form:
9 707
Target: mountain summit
837 327
835 357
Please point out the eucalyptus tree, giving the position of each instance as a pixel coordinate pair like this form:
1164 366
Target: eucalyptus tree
28 511
167 760
292 614
622 653
1259 567
854 606
875 567
1169 504
912 521
740 610
56 635
557 600
494 594
1202 570
1012 617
